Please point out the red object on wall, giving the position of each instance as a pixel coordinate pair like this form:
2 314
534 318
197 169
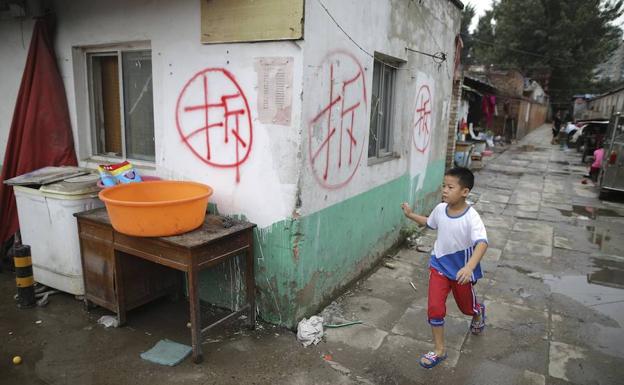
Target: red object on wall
41 132
612 157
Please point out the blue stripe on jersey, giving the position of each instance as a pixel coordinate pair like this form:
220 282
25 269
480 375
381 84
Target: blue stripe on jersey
450 264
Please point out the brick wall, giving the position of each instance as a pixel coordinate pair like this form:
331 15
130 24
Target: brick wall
452 129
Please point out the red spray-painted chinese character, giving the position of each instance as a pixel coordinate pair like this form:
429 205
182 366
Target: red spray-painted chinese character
337 132
422 119
214 120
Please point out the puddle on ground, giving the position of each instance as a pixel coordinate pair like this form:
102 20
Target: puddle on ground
608 241
603 299
588 212
610 273
601 290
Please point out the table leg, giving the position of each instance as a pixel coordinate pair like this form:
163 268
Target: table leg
251 284
120 295
195 315
88 305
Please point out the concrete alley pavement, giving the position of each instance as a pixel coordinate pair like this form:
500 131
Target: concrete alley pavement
553 287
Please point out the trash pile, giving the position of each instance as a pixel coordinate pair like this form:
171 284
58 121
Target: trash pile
310 331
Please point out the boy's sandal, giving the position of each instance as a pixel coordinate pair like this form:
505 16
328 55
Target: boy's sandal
433 358
477 327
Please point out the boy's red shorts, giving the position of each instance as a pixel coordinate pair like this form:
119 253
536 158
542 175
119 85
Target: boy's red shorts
439 287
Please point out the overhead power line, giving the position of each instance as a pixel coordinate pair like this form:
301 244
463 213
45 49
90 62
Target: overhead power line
535 54
437 57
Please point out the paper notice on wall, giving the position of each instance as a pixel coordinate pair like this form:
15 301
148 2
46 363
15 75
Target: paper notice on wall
275 78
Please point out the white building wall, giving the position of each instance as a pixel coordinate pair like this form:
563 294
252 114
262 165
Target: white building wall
388 27
264 188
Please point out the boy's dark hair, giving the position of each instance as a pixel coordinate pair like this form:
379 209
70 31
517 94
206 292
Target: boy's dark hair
463 175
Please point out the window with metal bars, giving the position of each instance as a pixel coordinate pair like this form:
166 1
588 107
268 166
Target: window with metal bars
121 104
382 109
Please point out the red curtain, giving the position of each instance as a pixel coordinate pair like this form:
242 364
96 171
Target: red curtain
41 132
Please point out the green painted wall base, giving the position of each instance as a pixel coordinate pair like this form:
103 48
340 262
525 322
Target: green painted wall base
302 263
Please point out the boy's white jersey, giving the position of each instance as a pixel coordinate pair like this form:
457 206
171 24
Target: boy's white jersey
457 237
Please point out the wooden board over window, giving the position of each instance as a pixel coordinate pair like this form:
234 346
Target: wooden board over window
226 21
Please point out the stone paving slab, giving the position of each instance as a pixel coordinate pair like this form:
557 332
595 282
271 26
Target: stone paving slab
362 337
497 238
394 292
548 214
370 310
405 364
412 325
497 197
497 222
542 239
516 351
493 208
517 212
477 370
576 365
523 248
527 292
507 316
533 227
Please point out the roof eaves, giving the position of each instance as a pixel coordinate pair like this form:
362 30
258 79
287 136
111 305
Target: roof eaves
483 82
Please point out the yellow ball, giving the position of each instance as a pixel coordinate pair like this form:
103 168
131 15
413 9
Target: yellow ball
17 360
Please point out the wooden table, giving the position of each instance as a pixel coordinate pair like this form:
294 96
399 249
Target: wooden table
119 283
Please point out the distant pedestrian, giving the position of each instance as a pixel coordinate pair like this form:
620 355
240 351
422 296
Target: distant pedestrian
567 133
594 170
556 127
454 263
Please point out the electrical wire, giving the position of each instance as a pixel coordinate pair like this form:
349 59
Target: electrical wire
438 57
432 36
535 54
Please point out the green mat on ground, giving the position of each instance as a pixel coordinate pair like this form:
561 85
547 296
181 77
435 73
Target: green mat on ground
167 352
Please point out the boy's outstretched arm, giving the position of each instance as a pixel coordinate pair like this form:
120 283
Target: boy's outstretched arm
464 275
420 219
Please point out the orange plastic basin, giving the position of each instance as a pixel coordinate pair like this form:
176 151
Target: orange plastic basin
156 209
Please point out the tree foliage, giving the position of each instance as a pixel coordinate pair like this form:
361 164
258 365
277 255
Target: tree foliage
482 52
468 14
565 39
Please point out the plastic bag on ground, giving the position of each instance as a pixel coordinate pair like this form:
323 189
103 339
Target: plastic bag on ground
310 331
108 321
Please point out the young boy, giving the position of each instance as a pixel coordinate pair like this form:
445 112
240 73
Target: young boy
454 263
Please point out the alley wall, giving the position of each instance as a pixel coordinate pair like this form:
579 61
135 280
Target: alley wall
349 202
326 210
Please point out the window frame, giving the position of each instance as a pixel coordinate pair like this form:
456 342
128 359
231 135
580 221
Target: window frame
112 50
386 65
